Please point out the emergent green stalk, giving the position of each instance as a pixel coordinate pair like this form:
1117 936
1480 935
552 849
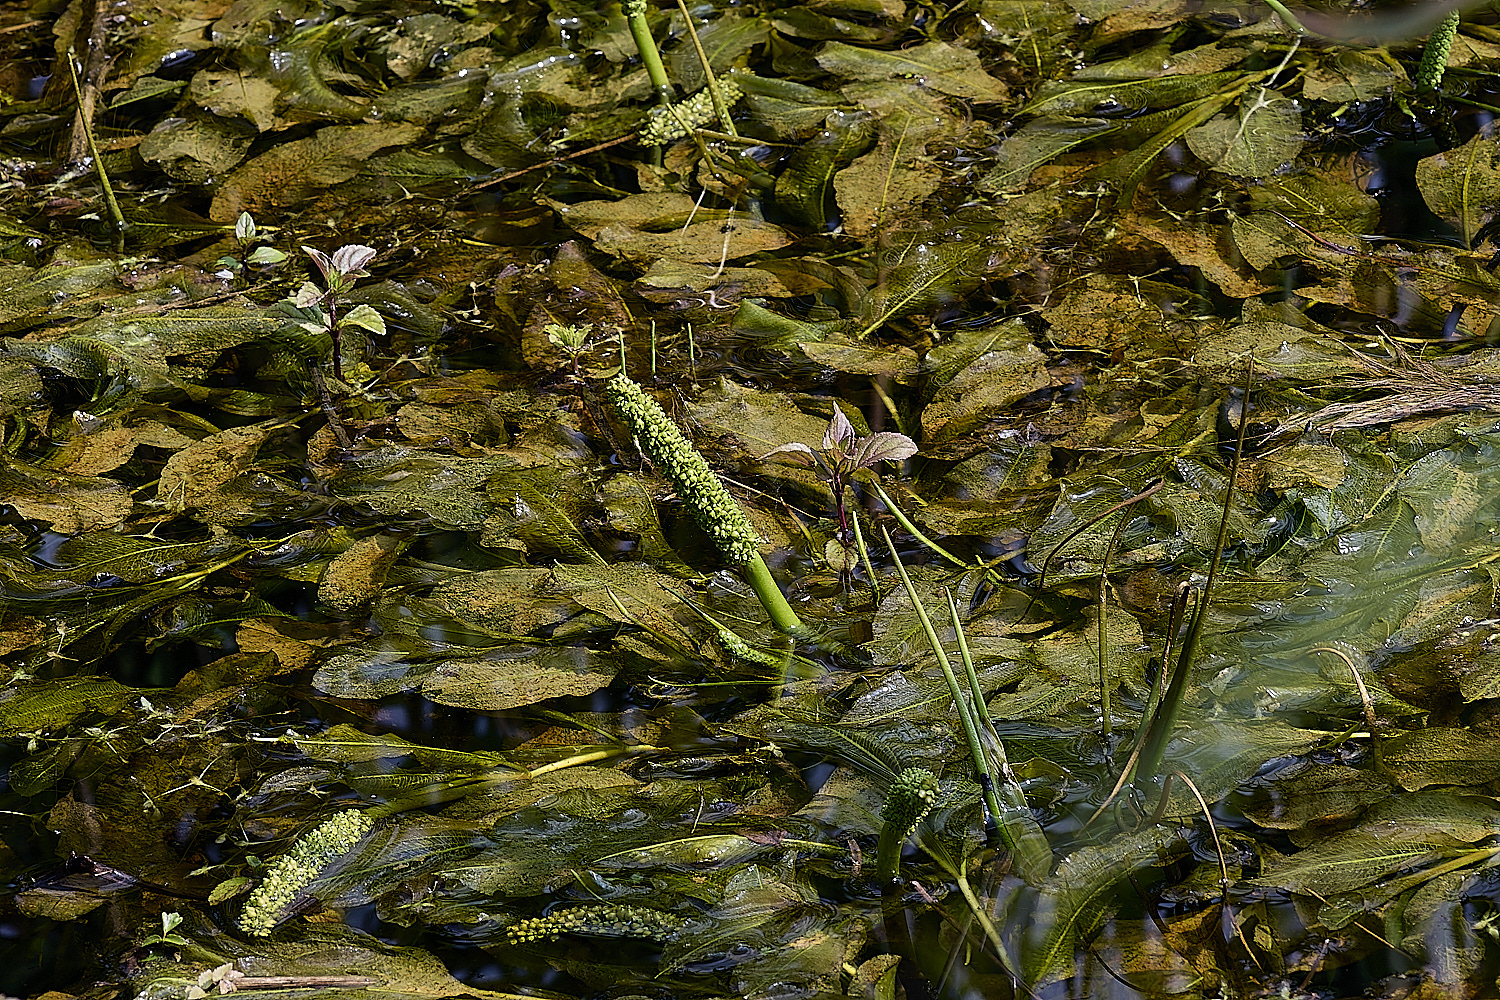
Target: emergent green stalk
640 31
715 511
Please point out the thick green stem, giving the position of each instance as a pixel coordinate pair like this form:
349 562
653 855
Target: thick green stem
758 575
645 44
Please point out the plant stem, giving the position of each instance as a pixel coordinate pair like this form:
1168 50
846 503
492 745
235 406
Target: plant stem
758 575
912 529
960 702
640 31
88 134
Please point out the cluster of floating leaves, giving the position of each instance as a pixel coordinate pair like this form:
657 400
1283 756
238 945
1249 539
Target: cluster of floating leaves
1042 240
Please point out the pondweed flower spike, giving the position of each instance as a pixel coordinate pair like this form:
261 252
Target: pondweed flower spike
1435 55
673 121
715 511
908 802
298 868
596 920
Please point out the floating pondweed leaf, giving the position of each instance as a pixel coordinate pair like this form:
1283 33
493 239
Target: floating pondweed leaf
542 508
29 292
753 421
1262 138
68 504
406 481
1038 142
293 171
503 603
1308 793
489 680
1081 893
194 476
1205 247
1348 74
700 242
40 704
976 376
1409 831
804 189
1279 349
1084 96
196 151
1442 756
357 575
936 65
1319 198
1462 186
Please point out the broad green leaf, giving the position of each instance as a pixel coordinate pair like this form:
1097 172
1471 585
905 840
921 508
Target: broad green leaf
1261 139
1442 757
804 188
1462 186
40 704
935 65
292 171
1080 894
1081 97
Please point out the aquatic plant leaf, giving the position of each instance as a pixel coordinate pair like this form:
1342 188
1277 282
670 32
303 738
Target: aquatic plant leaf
936 65
197 151
1308 793
701 242
193 477
1350 861
753 421
724 39
1265 135
1039 142
900 364
992 380
1222 757
324 949
28 706
357 575
1462 186
1350 74
1075 900
68 504
26 292
291 172
1441 756
343 744
933 268
1082 97
804 188
541 507
403 481
489 681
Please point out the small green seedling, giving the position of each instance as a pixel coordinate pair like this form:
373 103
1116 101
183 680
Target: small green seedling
843 454
168 935
321 305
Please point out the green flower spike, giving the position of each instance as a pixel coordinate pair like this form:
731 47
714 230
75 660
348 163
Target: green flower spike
674 121
715 511
597 920
1435 55
911 797
298 868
